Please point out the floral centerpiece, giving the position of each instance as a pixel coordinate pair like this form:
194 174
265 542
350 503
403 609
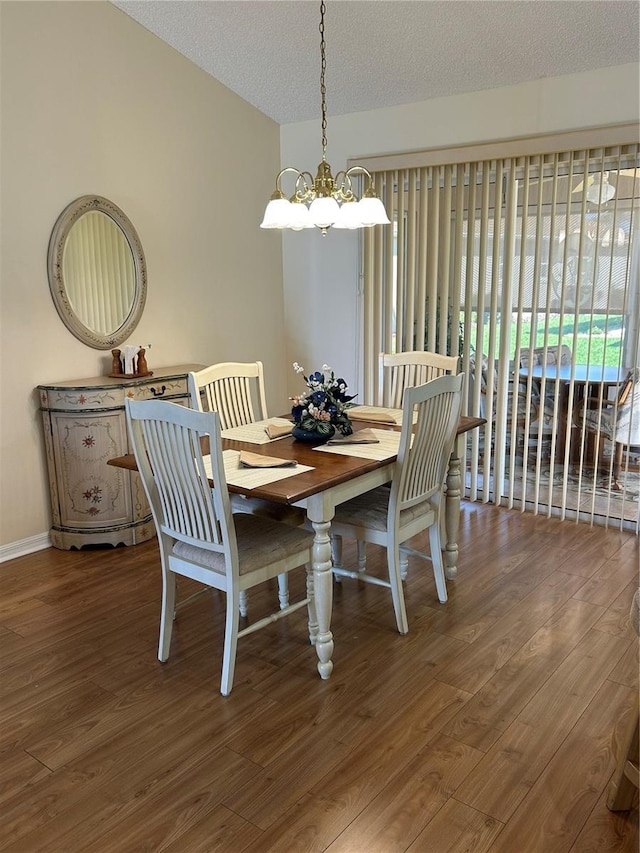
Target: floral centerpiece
323 408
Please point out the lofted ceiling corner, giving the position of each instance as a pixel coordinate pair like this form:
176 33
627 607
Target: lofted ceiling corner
382 53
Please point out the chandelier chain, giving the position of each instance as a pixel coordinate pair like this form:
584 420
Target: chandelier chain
323 88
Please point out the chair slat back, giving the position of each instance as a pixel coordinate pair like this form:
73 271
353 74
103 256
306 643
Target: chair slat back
632 378
398 371
483 385
422 463
166 443
558 355
627 410
233 389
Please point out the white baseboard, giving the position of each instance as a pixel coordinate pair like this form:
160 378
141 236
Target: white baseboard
24 546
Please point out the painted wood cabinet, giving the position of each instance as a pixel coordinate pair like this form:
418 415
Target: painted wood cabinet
84 422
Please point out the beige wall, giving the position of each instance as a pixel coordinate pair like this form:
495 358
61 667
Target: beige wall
321 273
93 103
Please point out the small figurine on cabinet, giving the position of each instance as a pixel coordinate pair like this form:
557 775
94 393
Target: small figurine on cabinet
143 370
116 364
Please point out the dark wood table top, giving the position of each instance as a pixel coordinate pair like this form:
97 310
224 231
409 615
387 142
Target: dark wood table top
328 469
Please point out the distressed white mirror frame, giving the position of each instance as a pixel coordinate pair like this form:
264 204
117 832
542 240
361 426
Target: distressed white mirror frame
65 287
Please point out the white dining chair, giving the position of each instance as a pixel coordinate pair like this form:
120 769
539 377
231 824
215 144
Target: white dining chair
199 536
236 391
483 395
233 389
400 370
396 372
390 517
541 407
616 420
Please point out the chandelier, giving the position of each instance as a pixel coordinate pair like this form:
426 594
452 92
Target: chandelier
600 191
324 201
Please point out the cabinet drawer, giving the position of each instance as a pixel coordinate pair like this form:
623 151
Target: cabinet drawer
174 389
81 399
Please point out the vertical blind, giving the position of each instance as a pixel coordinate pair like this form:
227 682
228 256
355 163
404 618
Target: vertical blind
522 265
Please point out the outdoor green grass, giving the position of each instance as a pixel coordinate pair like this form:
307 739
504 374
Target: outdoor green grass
594 339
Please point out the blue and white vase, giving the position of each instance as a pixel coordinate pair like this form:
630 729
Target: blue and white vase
311 436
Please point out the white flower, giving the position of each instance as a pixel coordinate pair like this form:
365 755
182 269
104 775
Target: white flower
297 367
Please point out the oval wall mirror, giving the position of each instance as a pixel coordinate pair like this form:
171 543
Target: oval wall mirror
97 272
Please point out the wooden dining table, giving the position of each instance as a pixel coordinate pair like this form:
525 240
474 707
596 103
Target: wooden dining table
580 381
589 375
327 479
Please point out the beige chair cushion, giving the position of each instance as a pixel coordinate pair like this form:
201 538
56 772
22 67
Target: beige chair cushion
595 420
260 541
371 510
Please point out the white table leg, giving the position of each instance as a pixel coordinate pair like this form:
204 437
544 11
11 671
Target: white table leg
336 551
320 509
323 589
452 513
311 609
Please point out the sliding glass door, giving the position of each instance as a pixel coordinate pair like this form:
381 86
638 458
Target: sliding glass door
527 268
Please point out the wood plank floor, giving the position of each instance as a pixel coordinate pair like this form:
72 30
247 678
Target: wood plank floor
487 728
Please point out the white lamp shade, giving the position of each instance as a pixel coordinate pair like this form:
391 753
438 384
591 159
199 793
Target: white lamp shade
299 216
324 211
371 212
349 216
600 190
277 213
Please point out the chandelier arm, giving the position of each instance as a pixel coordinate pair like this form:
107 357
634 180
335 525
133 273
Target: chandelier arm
361 170
304 189
370 191
344 187
284 172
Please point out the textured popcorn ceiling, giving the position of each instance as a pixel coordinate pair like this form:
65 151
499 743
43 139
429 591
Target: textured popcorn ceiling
386 52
